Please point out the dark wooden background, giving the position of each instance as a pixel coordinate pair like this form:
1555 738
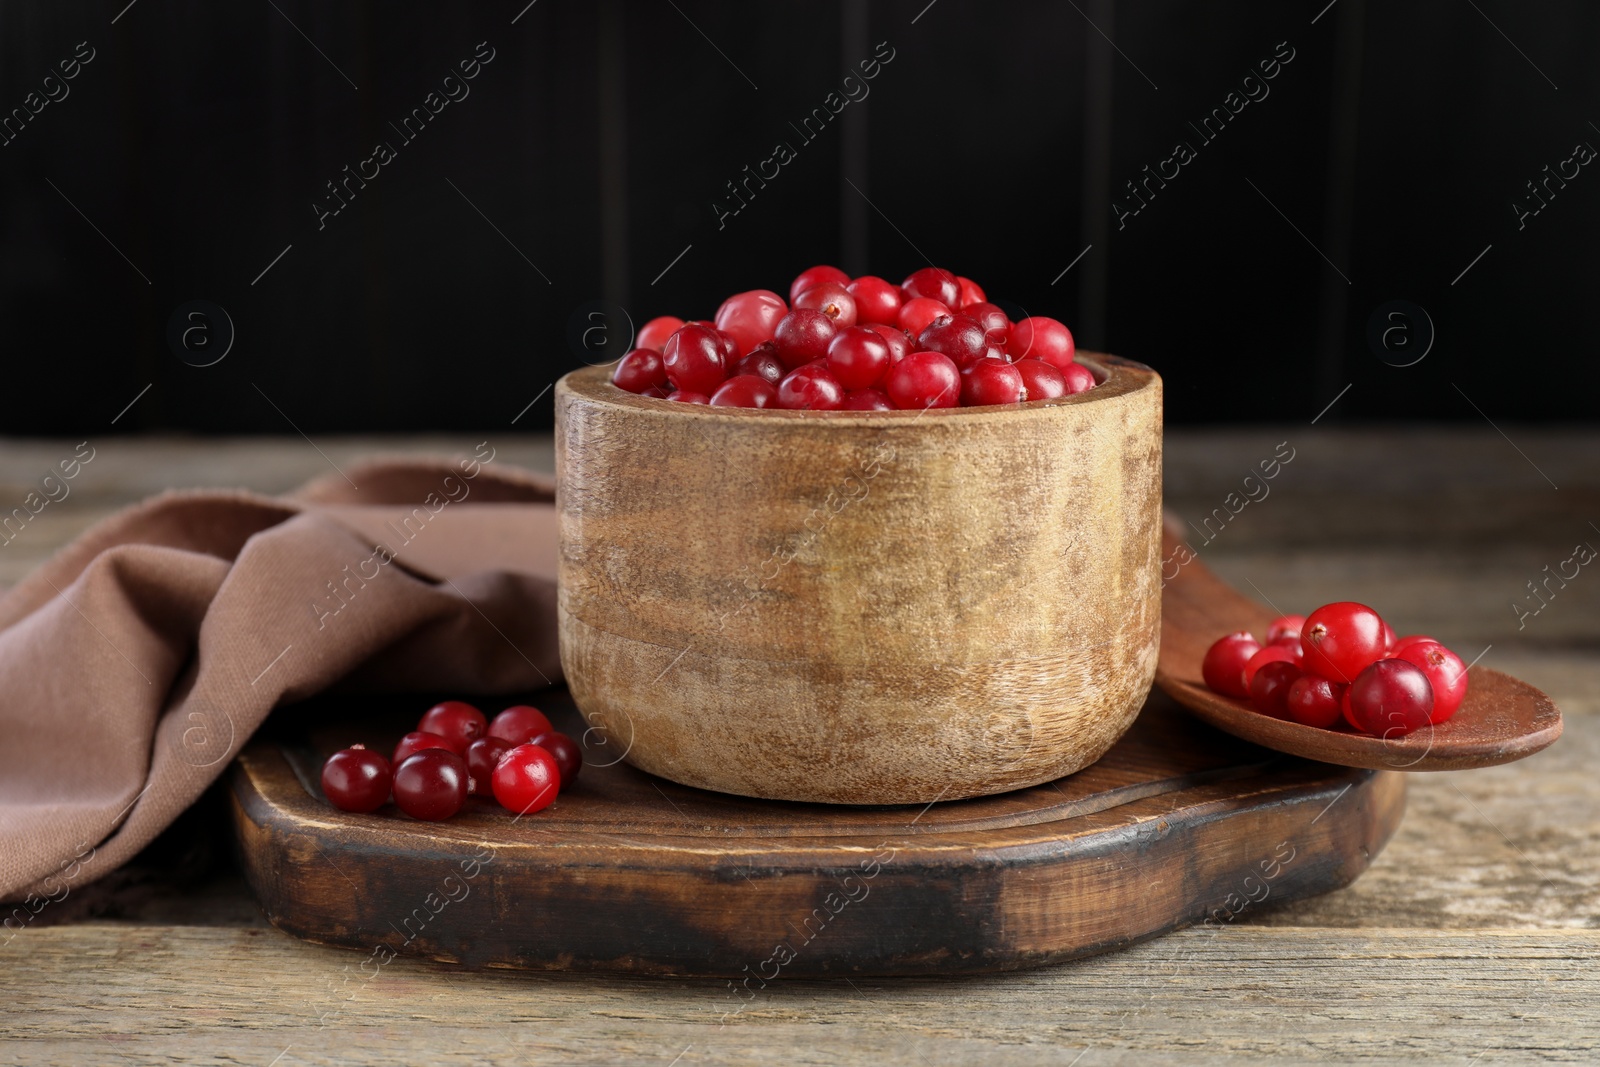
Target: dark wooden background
598 138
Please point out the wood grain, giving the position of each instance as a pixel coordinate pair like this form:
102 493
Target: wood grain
867 609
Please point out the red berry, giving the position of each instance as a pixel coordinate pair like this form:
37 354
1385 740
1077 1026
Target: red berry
749 318
1390 697
1223 666
745 391
654 333
1314 701
924 380
858 357
684 397
1447 675
833 300
803 336
519 724
1269 689
970 293
1404 643
866 400
810 388
483 756
915 314
996 327
417 741
456 721
695 360
356 779
934 283
526 780
1270 654
1389 638
957 336
876 300
1078 378
898 340
814 276
431 785
1040 337
764 362
1285 626
1041 380
568 756
1344 708
1341 640
989 381
639 370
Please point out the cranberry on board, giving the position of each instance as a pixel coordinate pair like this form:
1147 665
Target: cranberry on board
803 336
1391 698
876 300
654 333
924 380
814 276
431 784
898 340
764 362
639 370
1223 665
866 400
684 397
1079 378
695 360
456 721
749 318
1285 626
526 780
915 314
1447 675
745 391
858 357
1041 380
1041 337
1269 654
1341 640
1269 689
832 300
356 779
519 724
568 756
810 388
934 283
957 336
416 741
483 756
988 381
1314 701
970 293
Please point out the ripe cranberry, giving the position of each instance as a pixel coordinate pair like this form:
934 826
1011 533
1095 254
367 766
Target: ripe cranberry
1390 697
456 721
833 300
924 380
996 327
935 283
989 381
745 391
526 780
915 314
898 340
730 347
1270 654
1269 689
802 336
695 360
1314 701
957 336
483 756
431 785
519 724
1285 626
749 318
764 362
811 388
1404 643
814 276
639 370
654 333
1341 639
1389 638
858 357
876 300
684 397
1344 708
356 779
1040 337
866 400
568 756
1041 380
970 293
1079 378
1447 675
1223 666
417 741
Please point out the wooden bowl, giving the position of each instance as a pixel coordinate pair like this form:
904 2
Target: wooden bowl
873 608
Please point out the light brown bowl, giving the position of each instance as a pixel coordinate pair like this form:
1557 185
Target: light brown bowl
872 608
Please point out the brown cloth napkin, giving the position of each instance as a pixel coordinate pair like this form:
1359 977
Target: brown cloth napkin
139 659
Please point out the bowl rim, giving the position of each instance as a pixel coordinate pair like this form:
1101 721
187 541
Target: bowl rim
1115 377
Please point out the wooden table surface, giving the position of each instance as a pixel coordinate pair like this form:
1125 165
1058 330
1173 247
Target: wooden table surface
1472 940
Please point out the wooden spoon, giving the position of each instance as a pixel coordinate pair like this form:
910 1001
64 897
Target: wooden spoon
1501 720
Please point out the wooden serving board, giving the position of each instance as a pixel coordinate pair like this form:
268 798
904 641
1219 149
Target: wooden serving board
1178 824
